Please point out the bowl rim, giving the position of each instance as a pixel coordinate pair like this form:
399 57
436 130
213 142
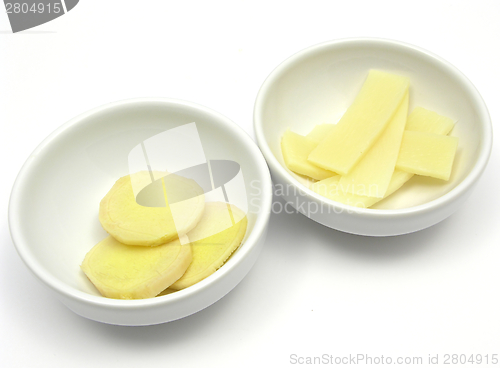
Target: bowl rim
461 188
252 239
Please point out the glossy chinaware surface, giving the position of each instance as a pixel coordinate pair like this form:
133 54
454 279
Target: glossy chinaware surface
53 210
316 85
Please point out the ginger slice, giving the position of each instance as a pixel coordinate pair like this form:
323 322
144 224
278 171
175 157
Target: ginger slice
213 246
167 292
131 223
122 271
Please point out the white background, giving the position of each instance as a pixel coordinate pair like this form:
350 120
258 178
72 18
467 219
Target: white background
313 290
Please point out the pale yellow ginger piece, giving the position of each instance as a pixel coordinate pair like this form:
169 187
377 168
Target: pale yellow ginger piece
362 123
373 173
295 149
167 291
213 247
427 154
319 132
122 271
331 189
423 120
131 223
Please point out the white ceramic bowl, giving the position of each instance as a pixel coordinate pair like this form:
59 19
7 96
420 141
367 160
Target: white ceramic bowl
53 210
316 86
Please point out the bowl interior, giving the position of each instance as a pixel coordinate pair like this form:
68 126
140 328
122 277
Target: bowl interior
67 176
316 86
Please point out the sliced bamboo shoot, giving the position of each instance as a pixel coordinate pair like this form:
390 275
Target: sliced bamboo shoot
362 123
373 173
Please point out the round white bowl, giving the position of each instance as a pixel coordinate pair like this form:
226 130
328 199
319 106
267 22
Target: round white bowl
316 86
53 210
